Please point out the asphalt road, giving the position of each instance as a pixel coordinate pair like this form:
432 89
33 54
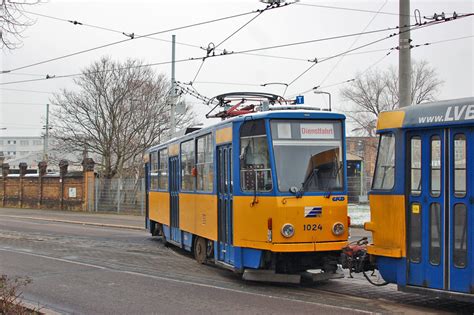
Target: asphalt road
86 269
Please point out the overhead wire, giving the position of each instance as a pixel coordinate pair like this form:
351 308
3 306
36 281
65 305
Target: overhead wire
388 52
233 53
351 9
128 39
209 51
411 28
154 38
352 45
416 27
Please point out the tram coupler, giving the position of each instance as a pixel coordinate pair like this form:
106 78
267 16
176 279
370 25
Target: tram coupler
354 257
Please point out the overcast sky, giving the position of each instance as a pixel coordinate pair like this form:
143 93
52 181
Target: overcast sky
22 105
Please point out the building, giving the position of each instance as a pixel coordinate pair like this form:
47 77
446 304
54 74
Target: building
22 149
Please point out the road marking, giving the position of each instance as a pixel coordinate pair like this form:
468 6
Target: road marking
184 281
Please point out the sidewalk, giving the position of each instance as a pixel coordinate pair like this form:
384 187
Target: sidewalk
87 218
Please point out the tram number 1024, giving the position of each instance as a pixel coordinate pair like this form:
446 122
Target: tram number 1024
312 227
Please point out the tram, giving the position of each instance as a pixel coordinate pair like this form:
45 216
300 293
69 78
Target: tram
421 202
263 192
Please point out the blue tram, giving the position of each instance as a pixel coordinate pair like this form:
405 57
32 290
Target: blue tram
422 199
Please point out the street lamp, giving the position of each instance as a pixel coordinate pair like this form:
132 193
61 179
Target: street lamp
322 92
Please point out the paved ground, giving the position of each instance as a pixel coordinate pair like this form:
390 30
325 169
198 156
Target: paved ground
89 269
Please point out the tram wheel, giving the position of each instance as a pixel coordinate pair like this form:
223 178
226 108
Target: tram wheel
200 248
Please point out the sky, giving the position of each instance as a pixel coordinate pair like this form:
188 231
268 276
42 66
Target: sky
23 104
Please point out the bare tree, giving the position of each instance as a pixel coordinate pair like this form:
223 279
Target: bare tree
13 21
376 91
117 112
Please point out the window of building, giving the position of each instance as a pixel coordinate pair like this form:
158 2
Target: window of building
11 142
37 142
205 163
187 165
24 142
163 169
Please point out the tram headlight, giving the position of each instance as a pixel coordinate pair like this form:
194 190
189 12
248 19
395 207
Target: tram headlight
287 230
338 228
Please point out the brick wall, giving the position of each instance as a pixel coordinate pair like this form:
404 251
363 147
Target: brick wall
65 191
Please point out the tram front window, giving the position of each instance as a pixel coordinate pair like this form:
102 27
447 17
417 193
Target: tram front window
308 155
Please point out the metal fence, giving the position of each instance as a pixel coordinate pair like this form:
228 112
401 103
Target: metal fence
358 188
119 195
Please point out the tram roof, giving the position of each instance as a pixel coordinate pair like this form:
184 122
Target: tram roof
276 114
441 113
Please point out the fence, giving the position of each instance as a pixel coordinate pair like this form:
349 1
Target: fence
119 195
357 188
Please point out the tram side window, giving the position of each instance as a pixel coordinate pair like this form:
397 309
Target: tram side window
163 169
435 180
255 171
459 165
187 164
153 170
204 163
415 166
460 236
384 177
435 233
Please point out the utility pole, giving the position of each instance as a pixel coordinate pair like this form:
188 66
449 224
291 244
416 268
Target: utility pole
46 135
173 90
404 57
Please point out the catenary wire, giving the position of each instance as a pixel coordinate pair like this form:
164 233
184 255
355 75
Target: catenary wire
155 38
416 27
350 9
352 45
426 24
128 39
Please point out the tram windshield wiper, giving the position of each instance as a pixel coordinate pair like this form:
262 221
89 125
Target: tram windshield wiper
307 181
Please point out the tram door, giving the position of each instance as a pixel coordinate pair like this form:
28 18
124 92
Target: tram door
175 235
225 250
437 211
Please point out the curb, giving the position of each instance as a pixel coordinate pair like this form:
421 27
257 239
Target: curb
129 227
41 310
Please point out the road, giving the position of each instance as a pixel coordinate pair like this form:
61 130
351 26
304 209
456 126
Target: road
88 269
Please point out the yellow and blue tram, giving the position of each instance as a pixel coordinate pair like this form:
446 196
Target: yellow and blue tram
263 193
421 202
